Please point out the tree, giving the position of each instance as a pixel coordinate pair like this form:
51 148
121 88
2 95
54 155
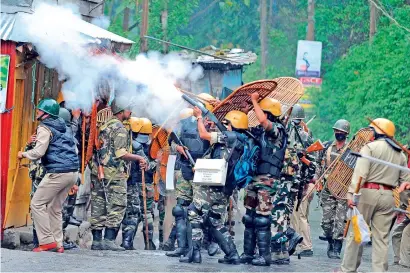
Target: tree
263 35
310 35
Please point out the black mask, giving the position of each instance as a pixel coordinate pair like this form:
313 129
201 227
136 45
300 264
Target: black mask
296 121
340 136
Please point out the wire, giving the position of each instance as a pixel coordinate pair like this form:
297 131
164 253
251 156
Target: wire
389 16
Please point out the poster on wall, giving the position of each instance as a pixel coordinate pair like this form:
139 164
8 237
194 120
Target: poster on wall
308 59
4 76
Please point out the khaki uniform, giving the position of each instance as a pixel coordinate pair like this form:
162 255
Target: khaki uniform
47 202
375 205
401 235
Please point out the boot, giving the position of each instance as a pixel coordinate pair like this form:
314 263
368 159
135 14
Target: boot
294 239
150 244
337 248
213 248
263 235
231 254
74 222
181 234
170 243
330 248
109 240
97 240
128 239
249 245
280 255
68 245
194 253
161 239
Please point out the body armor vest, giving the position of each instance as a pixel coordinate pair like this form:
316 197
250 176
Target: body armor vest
197 147
136 174
272 153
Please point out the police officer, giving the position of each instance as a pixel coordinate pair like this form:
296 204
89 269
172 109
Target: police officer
141 141
56 148
334 209
258 198
376 200
214 199
189 136
109 193
401 234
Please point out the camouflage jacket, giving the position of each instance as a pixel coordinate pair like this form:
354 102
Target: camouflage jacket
114 143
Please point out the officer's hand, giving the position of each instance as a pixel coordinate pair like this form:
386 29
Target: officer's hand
197 112
404 186
255 96
143 165
76 113
20 155
32 139
181 150
350 203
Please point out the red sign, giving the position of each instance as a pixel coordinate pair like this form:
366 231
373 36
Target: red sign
309 81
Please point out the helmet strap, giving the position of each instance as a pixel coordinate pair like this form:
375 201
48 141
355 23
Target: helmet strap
40 118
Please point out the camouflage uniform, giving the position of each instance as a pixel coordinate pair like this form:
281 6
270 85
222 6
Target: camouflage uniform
114 144
162 200
334 210
132 215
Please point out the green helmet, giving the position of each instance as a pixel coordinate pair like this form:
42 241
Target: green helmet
65 114
298 112
120 104
342 125
49 106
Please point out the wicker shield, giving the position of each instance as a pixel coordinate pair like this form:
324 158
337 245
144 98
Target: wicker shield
103 116
288 92
241 97
159 145
396 195
341 173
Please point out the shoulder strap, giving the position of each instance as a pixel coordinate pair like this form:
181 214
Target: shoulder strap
328 155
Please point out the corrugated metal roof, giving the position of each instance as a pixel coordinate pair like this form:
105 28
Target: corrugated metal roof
12 28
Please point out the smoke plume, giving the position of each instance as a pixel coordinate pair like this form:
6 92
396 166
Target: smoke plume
63 42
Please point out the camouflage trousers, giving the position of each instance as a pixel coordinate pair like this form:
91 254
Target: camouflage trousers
281 209
161 213
183 188
147 216
107 214
210 202
334 215
133 211
258 194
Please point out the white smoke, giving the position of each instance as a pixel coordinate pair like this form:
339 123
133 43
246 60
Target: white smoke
102 22
147 82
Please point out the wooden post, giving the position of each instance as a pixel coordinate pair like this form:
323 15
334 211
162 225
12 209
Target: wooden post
310 35
164 22
373 20
144 26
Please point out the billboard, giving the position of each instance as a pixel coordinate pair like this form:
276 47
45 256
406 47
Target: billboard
308 59
4 76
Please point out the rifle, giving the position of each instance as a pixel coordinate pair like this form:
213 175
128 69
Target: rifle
101 177
205 112
178 141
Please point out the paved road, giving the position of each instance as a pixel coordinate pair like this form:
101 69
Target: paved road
156 261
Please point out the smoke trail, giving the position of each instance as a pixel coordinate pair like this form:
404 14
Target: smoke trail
147 82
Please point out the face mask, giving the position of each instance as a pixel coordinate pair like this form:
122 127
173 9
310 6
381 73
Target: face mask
340 136
296 121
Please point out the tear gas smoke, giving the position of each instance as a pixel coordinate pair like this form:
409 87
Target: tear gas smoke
65 44
102 22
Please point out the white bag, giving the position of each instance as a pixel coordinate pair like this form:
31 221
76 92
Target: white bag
361 231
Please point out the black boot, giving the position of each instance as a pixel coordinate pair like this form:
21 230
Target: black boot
337 248
69 245
213 248
181 234
170 243
194 253
109 240
150 244
263 235
330 248
97 240
128 239
74 222
249 238
231 254
294 239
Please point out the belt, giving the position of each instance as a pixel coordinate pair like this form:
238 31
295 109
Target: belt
376 186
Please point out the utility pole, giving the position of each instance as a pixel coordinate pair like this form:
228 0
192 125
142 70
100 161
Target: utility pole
310 35
373 20
144 26
263 35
